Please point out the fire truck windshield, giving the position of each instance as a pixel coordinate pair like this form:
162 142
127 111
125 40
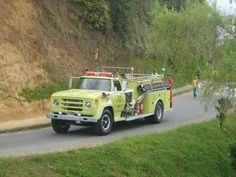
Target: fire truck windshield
94 84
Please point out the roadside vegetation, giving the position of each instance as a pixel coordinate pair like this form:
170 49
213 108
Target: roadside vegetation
183 40
57 82
148 35
43 91
196 150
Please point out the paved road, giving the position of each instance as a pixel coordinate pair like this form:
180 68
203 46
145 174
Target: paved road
186 111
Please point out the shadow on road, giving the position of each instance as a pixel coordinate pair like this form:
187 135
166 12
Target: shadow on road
117 127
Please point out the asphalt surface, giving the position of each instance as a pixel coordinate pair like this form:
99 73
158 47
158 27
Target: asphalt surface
186 110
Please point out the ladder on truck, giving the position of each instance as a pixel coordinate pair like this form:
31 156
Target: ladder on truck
147 82
150 82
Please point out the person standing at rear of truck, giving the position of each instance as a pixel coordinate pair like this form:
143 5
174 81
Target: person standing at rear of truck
170 81
195 84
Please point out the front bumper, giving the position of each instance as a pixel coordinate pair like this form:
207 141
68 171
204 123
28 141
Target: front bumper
70 117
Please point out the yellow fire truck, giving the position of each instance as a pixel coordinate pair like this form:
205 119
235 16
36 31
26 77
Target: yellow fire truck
102 98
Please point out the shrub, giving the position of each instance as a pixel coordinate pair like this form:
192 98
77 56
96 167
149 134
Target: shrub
95 13
222 107
233 154
42 91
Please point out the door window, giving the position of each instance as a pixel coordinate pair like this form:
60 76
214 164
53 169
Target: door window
117 85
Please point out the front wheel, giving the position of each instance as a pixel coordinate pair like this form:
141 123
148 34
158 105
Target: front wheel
105 123
158 114
60 126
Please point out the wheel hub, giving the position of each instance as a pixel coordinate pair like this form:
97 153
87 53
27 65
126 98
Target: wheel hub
106 122
158 113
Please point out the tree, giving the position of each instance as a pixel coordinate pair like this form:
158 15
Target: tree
178 4
222 80
95 13
184 39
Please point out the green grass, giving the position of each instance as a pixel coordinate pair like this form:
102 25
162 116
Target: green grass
42 91
192 151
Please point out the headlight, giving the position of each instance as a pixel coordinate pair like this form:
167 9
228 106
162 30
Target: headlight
88 105
56 102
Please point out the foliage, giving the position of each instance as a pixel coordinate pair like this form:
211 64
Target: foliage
222 79
121 12
42 91
95 13
150 65
178 4
183 40
233 154
225 67
223 106
119 16
125 14
190 151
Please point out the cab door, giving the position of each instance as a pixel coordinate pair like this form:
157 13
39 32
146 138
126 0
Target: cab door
118 99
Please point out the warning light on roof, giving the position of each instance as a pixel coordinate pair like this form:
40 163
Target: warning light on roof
105 74
91 73
101 74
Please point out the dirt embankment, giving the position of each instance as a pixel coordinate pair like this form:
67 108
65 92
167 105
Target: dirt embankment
34 33
20 64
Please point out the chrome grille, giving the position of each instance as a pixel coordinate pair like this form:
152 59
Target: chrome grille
72 104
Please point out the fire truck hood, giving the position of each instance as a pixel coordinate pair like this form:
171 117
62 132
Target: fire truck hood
78 93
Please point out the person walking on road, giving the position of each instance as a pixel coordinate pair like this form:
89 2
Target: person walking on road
198 73
195 84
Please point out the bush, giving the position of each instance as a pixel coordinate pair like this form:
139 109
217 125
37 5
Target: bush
42 91
122 12
178 4
233 154
95 13
119 15
126 15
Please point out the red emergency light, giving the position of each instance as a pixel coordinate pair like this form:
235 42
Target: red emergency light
91 73
105 74
102 74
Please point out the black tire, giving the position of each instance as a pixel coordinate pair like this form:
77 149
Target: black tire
105 123
60 126
158 114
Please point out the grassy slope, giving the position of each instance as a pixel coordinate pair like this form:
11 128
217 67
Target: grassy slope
198 150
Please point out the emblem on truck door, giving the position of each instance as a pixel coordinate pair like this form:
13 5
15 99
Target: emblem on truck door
119 101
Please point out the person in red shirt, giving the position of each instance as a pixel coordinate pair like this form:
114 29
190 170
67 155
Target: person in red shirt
170 81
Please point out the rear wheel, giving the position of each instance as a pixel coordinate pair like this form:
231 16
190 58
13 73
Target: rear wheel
60 126
158 114
105 123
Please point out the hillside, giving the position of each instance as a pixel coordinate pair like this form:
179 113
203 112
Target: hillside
44 42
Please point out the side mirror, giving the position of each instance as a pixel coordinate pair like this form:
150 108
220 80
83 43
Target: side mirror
70 83
124 85
115 89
